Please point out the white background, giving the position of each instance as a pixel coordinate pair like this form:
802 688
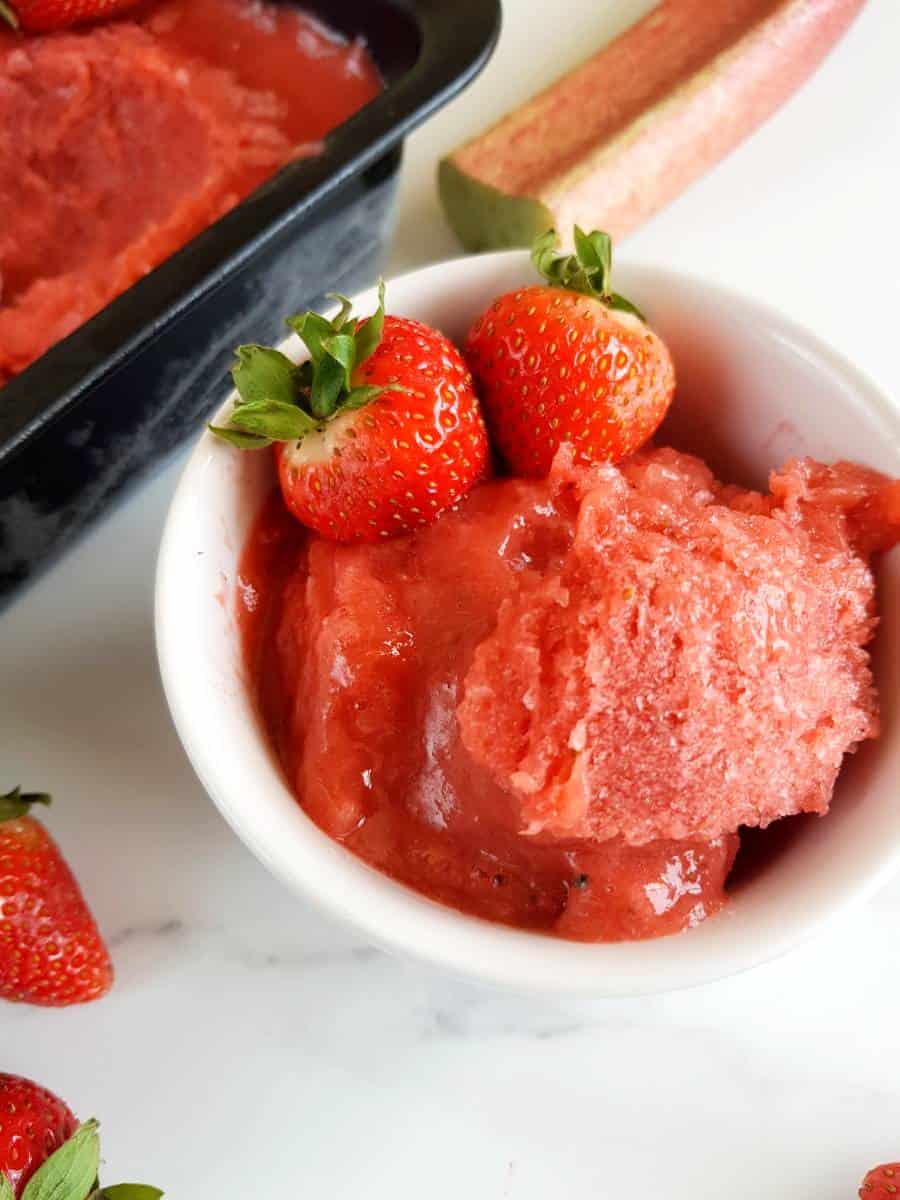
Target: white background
252 1047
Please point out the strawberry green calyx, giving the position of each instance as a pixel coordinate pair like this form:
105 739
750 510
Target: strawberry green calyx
127 1191
16 804
587 271
280 401
70 1173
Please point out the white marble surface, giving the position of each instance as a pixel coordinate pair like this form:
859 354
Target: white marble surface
251 1046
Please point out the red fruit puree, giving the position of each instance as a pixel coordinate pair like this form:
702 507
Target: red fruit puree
121 141
556 706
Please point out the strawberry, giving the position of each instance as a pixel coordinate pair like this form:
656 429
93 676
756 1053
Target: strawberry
881 1183
45 1153
50 949
570 361
376 434
46 16
33 1123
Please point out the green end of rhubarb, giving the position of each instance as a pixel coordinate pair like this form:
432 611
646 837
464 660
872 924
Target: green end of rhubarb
484 218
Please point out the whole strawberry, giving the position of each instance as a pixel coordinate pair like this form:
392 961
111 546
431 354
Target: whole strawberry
376 434
46 1155
51 952
570 361
881 1183
46 16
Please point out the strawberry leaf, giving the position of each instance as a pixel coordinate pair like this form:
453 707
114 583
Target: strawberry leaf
369 333
271 420
342 348
312 329
361 396
240 441
338 322
127 1191
594 253
545 259
71 1171
6 1191
326 388
587 271
614 300
331 379
261 373
17 803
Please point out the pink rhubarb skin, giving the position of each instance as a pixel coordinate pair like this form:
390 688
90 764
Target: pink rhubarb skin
623 134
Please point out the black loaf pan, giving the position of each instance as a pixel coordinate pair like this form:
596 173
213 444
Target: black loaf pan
106 404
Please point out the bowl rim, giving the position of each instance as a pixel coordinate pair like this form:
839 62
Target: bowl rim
400 920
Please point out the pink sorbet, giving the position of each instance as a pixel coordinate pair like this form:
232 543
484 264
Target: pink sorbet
696 662
554 706
121 141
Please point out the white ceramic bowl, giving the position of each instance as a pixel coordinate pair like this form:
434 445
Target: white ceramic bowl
753 390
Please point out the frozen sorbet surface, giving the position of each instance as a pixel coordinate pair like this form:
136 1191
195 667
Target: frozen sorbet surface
698 661
121 141
555 706
359 653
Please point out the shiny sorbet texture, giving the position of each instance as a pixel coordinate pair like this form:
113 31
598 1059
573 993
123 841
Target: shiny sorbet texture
121 141
556 706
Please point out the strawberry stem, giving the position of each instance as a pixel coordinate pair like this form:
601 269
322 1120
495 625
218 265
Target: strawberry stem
16 803
588 271
7 14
